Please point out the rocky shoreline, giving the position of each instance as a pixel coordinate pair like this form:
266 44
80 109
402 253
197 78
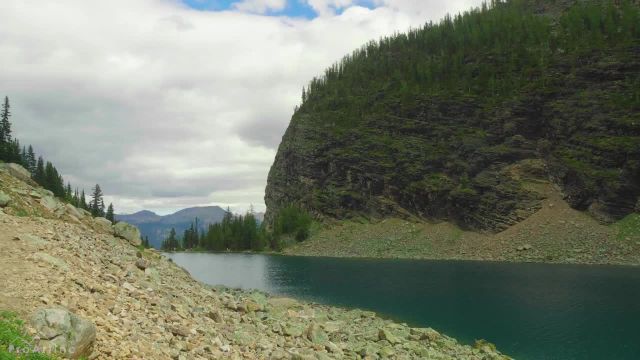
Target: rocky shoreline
143 306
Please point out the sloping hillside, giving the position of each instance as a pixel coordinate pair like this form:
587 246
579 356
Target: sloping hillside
136 304
427 124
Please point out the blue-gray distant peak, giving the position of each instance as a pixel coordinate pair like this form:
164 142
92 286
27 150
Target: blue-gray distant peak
157 227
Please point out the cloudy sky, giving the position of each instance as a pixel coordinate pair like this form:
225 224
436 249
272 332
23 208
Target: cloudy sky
175 103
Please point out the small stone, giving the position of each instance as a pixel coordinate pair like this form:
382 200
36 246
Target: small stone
142 264
430 334
293 330
179 330
384 334
316 335
215 316
128 287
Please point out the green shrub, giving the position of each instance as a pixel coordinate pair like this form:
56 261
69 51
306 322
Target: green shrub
292 220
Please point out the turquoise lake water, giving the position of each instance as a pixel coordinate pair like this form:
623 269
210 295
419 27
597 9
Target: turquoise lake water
530 311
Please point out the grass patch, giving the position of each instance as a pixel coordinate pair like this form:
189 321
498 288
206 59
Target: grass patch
629 227
15 344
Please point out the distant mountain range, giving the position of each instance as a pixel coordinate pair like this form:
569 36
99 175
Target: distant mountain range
157 227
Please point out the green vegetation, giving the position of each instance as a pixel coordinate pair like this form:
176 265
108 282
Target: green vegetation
629 227
494 51
235 233
15 344
44 173
292 220
428 123
242 232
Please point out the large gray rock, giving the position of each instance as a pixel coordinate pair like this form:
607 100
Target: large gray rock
104 224
71 210
18 172
4 199
50 203
127 232
63 331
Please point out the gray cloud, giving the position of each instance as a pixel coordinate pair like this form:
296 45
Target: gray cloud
168 107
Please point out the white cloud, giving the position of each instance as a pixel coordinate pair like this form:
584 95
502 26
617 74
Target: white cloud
260 6
168 107
329 7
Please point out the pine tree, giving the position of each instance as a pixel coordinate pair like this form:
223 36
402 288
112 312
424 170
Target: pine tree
39 175
68 194
83 201
23 157
171 243
97 204
5 130
31 161
110 215
76 199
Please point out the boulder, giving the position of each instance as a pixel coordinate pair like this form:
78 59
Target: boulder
35 194
63 331
4 199
127 232
104 224
18 172
49 202
71 210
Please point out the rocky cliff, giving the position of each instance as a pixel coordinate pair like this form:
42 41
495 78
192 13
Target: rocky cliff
451 121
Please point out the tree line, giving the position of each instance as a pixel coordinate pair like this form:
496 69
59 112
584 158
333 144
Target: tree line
465 54
242 232
44 173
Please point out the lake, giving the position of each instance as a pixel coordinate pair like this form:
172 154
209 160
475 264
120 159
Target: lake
530 311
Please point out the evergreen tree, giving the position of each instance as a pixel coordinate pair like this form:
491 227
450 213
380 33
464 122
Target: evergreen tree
39 175
31 160
76 199
83 201
171 243
23 158
68 194
110 214
5 130
96 207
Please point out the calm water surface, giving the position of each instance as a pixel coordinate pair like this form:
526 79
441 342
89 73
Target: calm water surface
530 311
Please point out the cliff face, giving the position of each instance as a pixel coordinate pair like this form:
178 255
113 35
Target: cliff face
384 140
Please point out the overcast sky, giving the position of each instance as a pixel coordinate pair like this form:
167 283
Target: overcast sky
170 104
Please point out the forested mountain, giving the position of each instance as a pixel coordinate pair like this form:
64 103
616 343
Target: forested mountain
448 121
157 227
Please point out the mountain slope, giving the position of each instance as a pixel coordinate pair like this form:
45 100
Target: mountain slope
429 124
157 227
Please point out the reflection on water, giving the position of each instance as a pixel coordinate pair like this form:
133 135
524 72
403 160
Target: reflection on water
531 311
